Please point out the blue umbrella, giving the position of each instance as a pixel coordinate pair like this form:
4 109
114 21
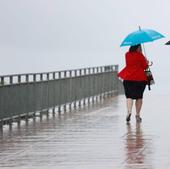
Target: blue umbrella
141 36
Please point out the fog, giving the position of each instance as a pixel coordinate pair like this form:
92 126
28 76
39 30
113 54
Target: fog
50 35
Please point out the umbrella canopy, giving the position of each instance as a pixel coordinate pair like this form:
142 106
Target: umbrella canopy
141 36
167 43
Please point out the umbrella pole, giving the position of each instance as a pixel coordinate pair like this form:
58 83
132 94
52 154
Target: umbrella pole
144 51
143 47
148 69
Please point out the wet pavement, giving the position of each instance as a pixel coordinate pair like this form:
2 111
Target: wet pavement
94 137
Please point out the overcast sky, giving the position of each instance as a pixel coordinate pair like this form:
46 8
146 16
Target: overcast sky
49 35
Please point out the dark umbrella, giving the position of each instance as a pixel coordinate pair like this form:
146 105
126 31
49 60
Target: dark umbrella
167 43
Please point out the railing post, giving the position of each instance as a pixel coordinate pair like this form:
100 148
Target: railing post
79 103
53 75
84 71
59 75
80 72
84 101
47 76
75 104
93 70
1 125
116 67
34 77
19 78
2 80
41 77
89 71
65 108
75 72
101 69
65 74
53 111
70 73
97 69
88 100
59 109
70 106
27 78
11 79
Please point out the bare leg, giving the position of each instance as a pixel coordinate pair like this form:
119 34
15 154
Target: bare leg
138 109
138 106
129 103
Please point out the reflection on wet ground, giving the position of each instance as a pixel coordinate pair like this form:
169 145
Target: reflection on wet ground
138 148
95 137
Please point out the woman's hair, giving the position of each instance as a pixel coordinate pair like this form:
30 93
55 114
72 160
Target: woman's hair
134 48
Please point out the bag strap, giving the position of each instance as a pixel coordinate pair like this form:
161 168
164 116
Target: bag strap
149 86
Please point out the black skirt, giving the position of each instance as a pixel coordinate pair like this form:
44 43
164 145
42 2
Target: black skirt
134 89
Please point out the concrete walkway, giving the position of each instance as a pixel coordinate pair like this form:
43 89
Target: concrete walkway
95 137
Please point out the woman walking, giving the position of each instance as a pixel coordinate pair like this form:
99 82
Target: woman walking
134 79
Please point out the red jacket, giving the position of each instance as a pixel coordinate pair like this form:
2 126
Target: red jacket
135 66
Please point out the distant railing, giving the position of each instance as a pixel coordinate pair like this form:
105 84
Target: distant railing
25 94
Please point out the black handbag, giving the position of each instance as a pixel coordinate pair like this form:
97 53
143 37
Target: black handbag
150 79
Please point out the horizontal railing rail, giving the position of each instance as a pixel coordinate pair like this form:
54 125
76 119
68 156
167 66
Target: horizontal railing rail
45 76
